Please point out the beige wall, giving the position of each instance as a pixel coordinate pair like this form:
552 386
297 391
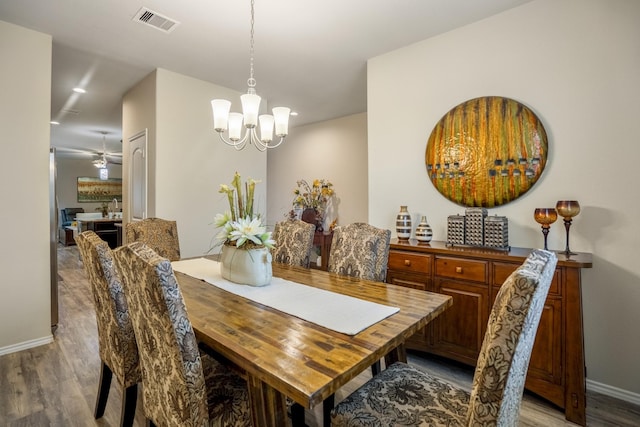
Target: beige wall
335 150
576 64
25 85
138 115
189 161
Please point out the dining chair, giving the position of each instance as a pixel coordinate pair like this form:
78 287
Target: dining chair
294 242
116 340
181 386
360 250
159 234
403 394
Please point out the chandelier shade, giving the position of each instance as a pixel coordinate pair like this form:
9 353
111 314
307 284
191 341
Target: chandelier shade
232 123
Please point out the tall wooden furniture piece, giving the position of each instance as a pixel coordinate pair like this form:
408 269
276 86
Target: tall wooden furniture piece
180 386
322 241
473 276
159 234
116 340
498 381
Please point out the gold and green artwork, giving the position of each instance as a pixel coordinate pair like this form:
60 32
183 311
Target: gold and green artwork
486 152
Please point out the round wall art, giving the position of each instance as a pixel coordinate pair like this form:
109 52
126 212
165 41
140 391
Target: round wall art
486 152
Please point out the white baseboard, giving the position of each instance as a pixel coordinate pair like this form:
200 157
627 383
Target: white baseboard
26 344
611 391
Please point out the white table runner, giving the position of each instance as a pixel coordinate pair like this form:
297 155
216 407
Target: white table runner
341 313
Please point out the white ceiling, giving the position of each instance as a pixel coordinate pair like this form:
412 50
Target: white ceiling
310 56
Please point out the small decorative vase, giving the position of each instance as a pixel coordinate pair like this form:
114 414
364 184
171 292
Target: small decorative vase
310 215
403 224
423 231
246 266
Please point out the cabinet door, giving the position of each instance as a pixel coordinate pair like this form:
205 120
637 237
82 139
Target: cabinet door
459 331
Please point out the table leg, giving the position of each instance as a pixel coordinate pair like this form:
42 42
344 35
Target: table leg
398 354
268 405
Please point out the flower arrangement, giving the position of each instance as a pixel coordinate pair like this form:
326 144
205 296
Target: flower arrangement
240 227
317 196
313 196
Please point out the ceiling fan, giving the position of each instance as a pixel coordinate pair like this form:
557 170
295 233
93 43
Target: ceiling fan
103 159
102 162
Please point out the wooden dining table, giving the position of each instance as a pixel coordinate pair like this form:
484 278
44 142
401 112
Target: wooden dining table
285 356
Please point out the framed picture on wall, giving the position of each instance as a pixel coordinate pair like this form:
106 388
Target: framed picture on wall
91 189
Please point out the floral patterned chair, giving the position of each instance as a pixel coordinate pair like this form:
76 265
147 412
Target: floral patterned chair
294 241
116 340
180 385
159 234
360 250
408 396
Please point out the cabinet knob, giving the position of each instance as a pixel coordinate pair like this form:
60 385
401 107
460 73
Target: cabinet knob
407 262
458 269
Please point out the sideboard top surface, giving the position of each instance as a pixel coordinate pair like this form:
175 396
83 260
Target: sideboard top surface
580 260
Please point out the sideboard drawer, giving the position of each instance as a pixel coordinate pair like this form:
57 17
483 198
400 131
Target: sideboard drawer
464 269
404 261
501 272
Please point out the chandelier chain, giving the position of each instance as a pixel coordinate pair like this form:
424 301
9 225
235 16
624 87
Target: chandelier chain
251 82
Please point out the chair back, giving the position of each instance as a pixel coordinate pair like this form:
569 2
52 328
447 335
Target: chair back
67 215
116 339
501 370
294 241
173 385
360 250
159 234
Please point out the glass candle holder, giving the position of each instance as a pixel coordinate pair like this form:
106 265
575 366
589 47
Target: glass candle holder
545 217
568 209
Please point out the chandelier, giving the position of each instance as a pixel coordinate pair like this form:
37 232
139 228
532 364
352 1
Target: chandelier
232 122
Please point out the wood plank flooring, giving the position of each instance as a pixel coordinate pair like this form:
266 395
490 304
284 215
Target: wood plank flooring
56 384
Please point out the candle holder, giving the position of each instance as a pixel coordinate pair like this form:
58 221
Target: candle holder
545 217
568 209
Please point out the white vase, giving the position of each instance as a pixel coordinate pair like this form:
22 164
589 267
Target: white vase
246 266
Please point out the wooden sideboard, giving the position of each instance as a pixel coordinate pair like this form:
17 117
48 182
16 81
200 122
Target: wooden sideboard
472 276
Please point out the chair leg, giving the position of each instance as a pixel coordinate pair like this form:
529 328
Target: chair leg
128 408
297 415
376 368
103 390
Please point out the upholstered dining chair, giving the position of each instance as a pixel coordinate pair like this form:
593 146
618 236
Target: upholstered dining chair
181 386
159 234
116 340
294 242
406 395
360 250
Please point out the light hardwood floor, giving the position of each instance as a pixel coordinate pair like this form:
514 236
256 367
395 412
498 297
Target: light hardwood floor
56 384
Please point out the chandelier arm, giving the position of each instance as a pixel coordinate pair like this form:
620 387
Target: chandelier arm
279 142
238 145
261 146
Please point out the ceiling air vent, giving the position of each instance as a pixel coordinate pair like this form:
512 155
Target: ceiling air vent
155 20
